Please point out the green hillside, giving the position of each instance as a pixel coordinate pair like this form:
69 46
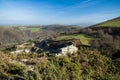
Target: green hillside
109 23
84 38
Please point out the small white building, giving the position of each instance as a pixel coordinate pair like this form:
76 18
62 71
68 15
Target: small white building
63 49
69 49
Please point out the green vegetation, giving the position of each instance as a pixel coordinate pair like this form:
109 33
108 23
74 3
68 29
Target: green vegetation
100 61
16 68
83 65
84 38
110 23
33 29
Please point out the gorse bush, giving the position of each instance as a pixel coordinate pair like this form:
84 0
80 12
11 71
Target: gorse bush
83 65
16 68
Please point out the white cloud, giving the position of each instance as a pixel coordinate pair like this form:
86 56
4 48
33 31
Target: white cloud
86 1
83 4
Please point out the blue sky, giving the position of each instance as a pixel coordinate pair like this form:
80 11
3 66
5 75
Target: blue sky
44 12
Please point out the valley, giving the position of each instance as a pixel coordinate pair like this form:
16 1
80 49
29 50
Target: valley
60 52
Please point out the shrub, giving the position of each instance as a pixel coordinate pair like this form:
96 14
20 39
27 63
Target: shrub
16 68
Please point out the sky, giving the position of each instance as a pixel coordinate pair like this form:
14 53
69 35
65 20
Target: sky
65 12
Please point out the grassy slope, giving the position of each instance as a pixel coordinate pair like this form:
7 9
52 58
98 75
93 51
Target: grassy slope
84 38
34 29
110 23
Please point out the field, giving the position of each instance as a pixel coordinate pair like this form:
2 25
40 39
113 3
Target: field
34 29
84 38
110 23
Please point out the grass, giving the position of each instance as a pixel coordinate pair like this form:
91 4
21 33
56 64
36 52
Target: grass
111 23
34 29
84 38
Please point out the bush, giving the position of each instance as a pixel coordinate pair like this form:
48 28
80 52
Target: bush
16 68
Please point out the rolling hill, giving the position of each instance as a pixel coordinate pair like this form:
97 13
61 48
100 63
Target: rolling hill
111 27
109 23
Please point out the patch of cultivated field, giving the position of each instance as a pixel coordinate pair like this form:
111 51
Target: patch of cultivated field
34 29
84 38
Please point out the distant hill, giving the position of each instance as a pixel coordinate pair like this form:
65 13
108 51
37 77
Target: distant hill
62 28
109 23
13 35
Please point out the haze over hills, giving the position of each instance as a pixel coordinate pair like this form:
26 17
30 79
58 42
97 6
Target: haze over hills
115 22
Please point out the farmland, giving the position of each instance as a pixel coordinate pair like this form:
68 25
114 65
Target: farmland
84 38
34 29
